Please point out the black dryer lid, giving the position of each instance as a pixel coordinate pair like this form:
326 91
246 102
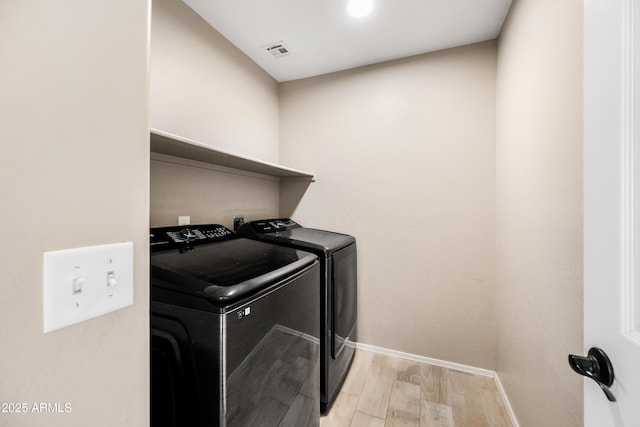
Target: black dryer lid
312 239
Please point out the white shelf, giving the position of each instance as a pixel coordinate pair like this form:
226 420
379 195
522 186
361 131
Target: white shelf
174 145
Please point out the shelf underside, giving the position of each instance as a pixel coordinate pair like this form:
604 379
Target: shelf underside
173 145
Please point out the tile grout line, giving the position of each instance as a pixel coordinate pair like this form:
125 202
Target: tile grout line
395 371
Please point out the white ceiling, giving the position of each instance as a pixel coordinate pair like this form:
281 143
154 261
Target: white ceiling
323 38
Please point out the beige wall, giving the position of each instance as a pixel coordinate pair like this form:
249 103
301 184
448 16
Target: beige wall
208 193
539 210
404 156
204 88
74 171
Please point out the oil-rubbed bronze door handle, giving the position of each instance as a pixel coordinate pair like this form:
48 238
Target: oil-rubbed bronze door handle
596 366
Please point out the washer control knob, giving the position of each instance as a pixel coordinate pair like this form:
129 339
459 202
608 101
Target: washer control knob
187 234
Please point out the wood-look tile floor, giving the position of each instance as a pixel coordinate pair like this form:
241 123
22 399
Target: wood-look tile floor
387 391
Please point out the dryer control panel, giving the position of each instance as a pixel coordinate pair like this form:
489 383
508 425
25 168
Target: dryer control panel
273 225
185 237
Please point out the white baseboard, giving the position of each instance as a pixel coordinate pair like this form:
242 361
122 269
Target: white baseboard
449 365
512 414
423 359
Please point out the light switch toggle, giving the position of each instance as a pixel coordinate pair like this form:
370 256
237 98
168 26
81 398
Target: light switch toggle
77 283
111 279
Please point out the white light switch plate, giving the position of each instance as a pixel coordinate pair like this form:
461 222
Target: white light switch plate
83 283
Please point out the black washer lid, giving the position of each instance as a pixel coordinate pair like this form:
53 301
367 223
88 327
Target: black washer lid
228 270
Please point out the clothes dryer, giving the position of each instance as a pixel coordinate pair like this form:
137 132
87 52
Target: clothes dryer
338 293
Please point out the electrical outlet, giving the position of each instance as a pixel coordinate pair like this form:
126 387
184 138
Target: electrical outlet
237 222
184 220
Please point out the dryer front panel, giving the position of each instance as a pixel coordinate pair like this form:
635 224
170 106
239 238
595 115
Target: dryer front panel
344 298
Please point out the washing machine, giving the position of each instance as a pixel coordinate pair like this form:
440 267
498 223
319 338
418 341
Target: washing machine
235 339
338 293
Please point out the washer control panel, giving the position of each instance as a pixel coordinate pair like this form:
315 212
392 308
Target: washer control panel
187 236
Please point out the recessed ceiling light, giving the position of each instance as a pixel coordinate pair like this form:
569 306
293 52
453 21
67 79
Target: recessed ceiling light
360 8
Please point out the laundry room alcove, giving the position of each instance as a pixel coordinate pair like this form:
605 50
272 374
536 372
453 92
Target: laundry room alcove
213 185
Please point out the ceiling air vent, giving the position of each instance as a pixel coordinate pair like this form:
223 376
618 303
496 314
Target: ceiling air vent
278 49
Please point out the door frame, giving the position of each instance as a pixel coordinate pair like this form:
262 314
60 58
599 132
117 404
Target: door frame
610 169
